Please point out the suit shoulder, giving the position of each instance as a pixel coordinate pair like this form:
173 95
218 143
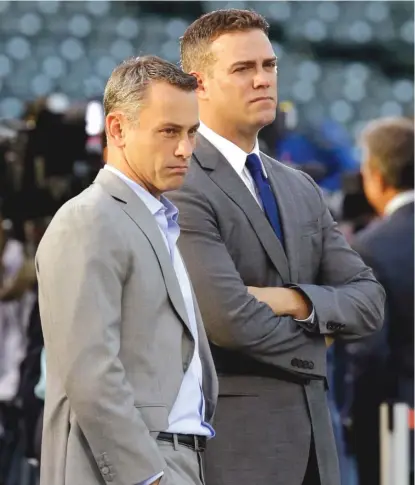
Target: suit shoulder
385 232
88 212
373 238
93 201
378 229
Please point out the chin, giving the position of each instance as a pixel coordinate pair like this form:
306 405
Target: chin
174 184
265 118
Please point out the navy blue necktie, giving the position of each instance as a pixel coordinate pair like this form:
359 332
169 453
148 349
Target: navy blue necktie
253 164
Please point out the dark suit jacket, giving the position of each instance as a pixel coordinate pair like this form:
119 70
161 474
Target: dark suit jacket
388 247
271 368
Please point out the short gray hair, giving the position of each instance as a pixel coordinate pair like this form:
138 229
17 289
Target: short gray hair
128 83
390 141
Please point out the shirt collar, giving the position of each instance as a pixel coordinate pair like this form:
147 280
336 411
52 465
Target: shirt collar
399 201
233 154
154 205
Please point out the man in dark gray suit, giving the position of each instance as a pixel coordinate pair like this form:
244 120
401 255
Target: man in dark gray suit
273 275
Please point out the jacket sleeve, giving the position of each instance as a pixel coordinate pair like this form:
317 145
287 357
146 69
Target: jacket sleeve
349 301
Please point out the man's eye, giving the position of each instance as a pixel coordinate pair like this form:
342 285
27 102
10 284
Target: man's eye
169 131
239 69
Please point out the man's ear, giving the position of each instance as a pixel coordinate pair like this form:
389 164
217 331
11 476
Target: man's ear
202 88
115 125
377 174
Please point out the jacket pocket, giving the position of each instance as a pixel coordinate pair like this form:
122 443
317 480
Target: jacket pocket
155 416
309 228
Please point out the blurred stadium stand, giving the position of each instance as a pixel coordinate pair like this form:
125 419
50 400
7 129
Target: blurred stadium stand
349 61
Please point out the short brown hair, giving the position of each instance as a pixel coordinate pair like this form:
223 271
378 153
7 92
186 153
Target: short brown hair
128 82
195 43
390 142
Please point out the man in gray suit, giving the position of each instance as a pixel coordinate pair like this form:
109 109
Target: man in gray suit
273 275
131 386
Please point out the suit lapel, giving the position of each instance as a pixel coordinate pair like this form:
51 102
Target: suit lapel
222 173
142 217
288 213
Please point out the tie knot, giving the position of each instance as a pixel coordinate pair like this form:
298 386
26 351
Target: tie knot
253 164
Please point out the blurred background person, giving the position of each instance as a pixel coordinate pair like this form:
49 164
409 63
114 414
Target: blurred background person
384 364
14 313
11 335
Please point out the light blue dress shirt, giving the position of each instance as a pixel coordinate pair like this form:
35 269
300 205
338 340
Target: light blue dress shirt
188 412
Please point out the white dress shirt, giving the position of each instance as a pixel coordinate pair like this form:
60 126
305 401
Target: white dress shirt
237 160
188 412
399 201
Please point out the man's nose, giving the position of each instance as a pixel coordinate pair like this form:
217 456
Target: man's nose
185 148
262 79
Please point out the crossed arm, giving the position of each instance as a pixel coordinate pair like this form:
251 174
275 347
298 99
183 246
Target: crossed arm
263 322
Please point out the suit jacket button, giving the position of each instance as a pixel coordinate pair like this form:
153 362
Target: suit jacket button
311 365
105 470
294 363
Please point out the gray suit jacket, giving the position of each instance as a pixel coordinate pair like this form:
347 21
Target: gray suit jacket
117 339
228 245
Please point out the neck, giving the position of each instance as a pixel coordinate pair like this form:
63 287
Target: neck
389 195
244 139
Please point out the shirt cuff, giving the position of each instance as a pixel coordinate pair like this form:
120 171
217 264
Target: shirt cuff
309 319
151 480
311 323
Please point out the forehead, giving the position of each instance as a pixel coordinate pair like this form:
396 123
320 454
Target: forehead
169 104
242 46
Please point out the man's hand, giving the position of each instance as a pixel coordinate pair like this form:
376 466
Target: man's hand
283 301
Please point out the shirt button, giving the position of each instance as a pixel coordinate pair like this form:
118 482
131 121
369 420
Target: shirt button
105 470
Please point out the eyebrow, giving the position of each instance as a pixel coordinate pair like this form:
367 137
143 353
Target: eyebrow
253 63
